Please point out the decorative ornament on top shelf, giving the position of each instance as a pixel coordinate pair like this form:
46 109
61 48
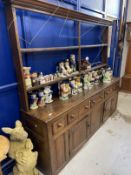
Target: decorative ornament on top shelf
85 64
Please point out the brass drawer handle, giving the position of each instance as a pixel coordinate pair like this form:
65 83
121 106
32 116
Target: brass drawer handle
96 101
108 92
72 116
60 125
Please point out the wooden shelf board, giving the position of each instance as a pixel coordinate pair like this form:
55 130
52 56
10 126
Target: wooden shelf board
30 50
54 10
64 78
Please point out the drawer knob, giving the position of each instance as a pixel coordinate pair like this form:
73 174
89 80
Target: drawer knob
60 125
86 107
72 116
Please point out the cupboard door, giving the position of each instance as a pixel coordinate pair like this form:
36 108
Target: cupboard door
61 152
78 135
107 110
114 102
96 117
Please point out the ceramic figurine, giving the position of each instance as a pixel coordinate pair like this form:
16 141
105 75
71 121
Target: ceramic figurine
35 79
21 150
48 94
41 99
91 79
62 72
96 77
107 77
33 101
74 88
67 66
87 83
41 78
51 77
65 91
85 64
27 77
73 63
79 84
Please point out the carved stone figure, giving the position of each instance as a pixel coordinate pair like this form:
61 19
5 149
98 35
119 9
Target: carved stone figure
21 150
4 147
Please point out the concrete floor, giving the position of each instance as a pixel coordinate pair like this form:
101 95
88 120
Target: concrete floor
108 152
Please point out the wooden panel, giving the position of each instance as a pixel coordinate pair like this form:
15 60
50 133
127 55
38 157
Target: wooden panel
114 100
96 117
107 110
61 152
97 99
78 135
48 8
15 44
84 108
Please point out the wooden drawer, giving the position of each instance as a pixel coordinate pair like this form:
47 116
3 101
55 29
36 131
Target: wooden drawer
73 115
60 124
111 89
108 92
116 87
84 108
35 126
95 100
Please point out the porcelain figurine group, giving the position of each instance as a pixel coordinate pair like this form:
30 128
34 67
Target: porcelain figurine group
35 78
64 69
85 82
40 98
67 67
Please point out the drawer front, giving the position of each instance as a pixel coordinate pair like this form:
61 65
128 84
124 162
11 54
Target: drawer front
111 89
60 124
95 100
108 92
84 108
73 115
116 87
35 126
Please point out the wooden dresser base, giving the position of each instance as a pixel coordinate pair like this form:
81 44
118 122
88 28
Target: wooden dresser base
59 130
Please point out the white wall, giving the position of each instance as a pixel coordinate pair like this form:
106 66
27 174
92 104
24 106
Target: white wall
125 42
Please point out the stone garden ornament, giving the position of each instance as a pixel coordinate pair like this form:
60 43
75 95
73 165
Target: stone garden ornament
21 151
